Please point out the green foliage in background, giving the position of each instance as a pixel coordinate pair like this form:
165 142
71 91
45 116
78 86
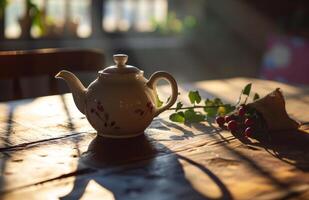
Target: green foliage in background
36 16
33 10
3 4
173 24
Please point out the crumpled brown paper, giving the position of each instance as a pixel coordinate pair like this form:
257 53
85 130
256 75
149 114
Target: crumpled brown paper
272 108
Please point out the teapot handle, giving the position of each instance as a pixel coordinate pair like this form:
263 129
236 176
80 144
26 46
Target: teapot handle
164 75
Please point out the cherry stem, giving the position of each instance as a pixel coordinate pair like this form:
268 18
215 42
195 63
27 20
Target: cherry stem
246 99
192 107
239 98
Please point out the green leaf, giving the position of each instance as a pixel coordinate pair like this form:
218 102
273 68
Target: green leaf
209 109
194 97
193 117
217 101
211 112
178 117
256 96
178 106
229 108
209 102
159 103
247 89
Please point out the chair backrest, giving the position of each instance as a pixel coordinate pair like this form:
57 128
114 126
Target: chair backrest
15 65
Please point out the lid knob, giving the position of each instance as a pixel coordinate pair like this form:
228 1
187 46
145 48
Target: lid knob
120 59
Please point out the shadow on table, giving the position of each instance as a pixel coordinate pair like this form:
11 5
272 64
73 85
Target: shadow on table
189 133
297 153
291 147
151 177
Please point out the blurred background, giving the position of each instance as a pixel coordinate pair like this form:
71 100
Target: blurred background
194 40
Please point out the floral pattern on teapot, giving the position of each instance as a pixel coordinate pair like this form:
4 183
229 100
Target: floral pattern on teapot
103 116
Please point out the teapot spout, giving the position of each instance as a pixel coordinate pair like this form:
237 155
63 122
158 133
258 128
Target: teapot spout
77 88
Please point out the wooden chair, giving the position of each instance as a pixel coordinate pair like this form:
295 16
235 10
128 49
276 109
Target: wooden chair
15 65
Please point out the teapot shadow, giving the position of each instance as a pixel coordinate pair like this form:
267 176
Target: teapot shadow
138 168
108 151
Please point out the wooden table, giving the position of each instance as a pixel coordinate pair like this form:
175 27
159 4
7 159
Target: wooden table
49 151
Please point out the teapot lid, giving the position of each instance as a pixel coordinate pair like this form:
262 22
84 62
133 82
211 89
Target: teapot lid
120 67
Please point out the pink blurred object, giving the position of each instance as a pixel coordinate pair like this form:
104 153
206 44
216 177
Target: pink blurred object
286 59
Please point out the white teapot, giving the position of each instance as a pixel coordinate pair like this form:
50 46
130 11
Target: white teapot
121 102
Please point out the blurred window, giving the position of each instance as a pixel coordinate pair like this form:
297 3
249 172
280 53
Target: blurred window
47 18
136 15
80 17
59 18
13 12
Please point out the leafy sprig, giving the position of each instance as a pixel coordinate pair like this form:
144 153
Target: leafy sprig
210 107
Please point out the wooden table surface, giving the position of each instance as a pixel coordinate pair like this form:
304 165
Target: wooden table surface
49 151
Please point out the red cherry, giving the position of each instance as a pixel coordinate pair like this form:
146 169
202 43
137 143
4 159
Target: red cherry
232 125
248 132
220 120
249 122
241 111
227 118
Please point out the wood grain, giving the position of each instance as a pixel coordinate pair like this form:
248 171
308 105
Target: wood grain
49 151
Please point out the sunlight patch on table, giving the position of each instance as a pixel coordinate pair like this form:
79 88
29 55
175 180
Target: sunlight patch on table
200 181
94 190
